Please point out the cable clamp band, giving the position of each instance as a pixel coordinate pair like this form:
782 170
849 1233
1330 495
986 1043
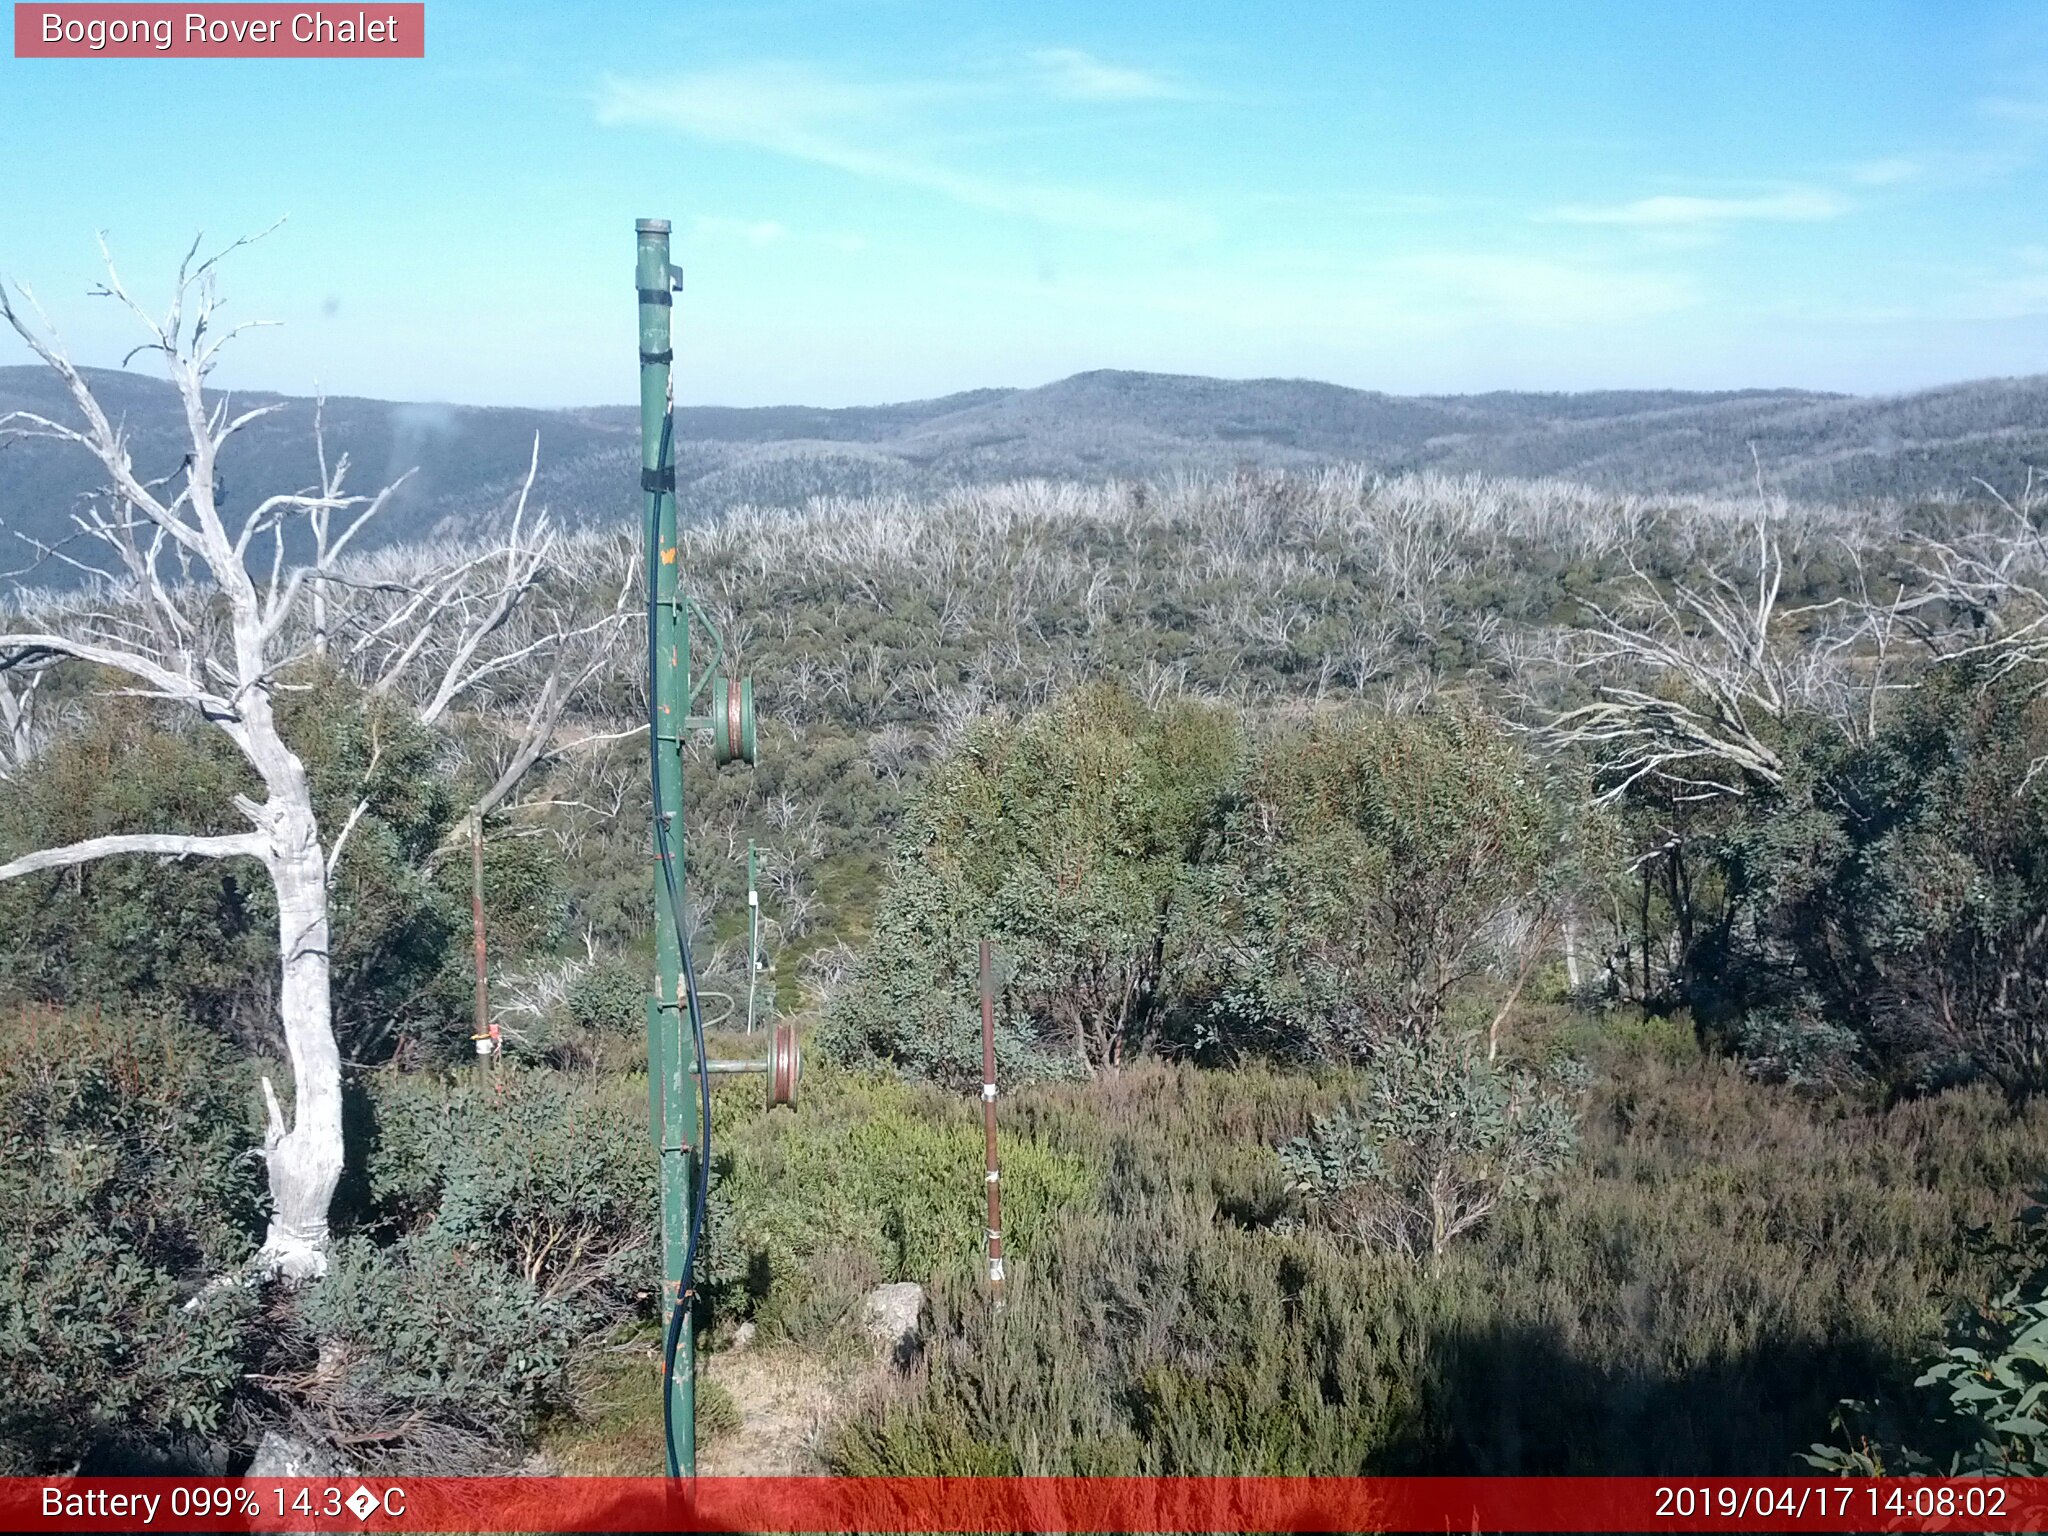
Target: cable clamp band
665 355
663 479
656 296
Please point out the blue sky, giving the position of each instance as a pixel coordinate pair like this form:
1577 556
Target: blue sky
879 201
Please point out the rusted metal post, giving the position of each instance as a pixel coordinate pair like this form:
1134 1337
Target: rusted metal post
753 936
993 1179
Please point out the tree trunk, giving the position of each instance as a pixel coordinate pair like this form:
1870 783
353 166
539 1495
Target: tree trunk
305 1160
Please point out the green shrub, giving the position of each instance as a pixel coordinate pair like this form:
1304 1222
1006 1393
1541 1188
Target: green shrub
872 1180
1440 1136
1070 841
199 935
1370 868
1981 1405
1722 1262
609 998
1796 1042
193 933
431 1354
1881 912
525 907
126 1184
398 948
600 1024
547 1174
1144 1336
1145 880
513 1220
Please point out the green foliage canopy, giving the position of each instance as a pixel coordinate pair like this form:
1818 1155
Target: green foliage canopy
199 935
1888 911
1372 866
125 1185
1071 841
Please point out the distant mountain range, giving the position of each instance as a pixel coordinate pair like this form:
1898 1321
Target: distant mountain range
469 459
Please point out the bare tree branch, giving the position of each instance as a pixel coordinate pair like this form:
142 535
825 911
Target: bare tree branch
171 844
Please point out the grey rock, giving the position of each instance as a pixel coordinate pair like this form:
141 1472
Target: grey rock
281 1455
893 1317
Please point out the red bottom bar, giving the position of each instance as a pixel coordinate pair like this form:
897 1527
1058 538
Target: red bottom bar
1080 1504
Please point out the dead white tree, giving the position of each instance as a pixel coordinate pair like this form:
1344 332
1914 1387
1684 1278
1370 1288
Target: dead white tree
1690 683
203 633
329 543
1696 684
197 611
1982 594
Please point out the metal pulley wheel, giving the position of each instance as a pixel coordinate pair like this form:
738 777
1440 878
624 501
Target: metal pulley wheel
732 720
785 1066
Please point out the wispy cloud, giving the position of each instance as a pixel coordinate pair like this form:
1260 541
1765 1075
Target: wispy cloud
2015 109
2015 289
1431 293
1802 205
1888 172
1079 75
740 231
1526 290
860 128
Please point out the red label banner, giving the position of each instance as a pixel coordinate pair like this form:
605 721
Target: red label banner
235 31
1079 1504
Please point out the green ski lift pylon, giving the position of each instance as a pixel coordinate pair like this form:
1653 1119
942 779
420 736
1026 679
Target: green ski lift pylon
670 1049
678 1069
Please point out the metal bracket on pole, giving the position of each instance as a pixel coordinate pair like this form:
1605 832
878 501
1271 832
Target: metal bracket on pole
784 1067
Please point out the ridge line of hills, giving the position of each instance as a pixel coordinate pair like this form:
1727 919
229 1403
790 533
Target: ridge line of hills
1104 424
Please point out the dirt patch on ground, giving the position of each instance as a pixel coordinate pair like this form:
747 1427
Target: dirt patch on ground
785 1398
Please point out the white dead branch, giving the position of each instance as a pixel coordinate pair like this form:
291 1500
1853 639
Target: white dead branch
20 733
1983 594
1691 684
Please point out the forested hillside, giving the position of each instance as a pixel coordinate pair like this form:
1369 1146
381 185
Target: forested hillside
1093 427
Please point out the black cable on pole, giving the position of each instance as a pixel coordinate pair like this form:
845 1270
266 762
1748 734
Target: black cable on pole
685 1282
